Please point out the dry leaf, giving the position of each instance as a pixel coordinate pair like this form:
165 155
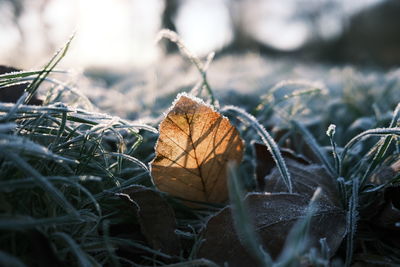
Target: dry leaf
155 216
385 173
380 219
265 162
396 166
193 150
273 216
306 179
296 142
389 211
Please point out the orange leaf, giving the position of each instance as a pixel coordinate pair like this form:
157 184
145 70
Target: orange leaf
193 150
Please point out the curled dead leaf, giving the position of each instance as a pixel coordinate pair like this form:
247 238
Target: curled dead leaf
193 150
155 216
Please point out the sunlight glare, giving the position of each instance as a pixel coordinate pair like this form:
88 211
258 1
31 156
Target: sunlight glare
116 32
204 25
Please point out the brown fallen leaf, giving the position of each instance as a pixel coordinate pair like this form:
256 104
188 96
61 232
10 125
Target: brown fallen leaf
155 216
265 162
296 142
380 227
396 166
193 150
387 209
385 173
384 205
307 178
11 94
274 214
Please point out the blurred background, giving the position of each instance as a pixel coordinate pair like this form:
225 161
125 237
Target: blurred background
120 34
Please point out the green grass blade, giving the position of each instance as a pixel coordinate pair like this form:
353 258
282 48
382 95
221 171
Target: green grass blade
47 69
316 148
34 85
23 145
128 242
352 217
9 260
174 37
368 133
7 127
194 263
341 185
21 223
82 258
241 217
22 74
110 249
267 140
331 133
130 158
386 141
27 183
